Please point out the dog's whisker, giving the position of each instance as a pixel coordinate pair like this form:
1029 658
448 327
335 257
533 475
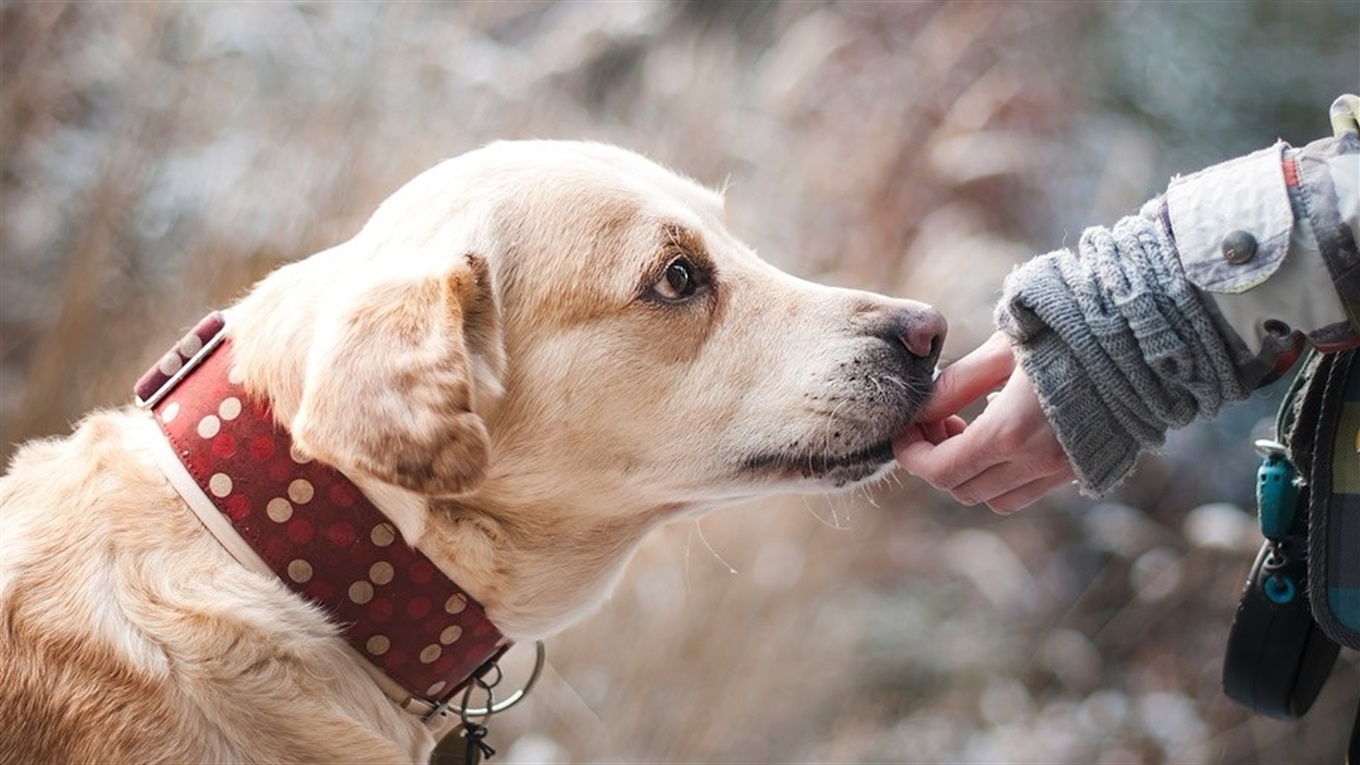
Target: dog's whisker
720 558
828 425
868 496
689 537
813 512
843 501
899 382
833 503
820 519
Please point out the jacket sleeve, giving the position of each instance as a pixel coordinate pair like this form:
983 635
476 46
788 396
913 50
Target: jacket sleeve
1118 343
1270 238
1208 292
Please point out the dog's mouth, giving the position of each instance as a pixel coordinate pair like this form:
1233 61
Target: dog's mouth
838 469
856 445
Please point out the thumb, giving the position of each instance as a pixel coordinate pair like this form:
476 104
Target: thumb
970 378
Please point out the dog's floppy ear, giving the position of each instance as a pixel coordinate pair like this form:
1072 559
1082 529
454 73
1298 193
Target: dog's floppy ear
390 385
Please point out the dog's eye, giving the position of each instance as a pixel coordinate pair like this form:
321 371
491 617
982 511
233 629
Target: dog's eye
678 282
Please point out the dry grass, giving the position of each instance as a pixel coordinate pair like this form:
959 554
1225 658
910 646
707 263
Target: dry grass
159 157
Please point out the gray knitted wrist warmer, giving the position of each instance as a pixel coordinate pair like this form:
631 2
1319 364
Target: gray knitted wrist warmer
1117 344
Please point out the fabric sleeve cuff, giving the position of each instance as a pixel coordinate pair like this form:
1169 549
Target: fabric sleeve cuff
1101 450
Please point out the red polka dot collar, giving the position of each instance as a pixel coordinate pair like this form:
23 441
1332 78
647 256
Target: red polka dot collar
312 527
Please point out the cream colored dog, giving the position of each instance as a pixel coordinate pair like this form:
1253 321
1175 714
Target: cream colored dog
530 356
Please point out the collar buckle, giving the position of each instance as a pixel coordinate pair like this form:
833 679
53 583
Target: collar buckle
180 360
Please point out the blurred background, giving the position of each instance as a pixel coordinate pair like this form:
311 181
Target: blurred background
160 157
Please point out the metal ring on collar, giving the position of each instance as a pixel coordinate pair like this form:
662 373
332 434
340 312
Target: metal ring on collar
496 707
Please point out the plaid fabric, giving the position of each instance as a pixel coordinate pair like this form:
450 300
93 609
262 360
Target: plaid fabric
1334 515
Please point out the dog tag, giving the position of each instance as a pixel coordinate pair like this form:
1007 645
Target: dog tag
1277 657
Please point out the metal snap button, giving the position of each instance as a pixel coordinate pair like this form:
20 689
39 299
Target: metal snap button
1238 247
1276 328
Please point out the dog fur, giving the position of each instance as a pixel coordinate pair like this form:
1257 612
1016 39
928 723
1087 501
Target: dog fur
529 357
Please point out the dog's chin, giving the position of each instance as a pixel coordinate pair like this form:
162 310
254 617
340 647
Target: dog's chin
831 470
869 456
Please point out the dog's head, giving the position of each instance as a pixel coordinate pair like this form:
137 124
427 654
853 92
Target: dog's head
568 325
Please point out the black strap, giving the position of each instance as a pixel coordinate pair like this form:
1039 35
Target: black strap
1334 508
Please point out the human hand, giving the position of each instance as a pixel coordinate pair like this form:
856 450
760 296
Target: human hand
1008 457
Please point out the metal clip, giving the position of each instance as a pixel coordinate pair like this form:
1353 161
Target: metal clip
474 719
187 354
492 706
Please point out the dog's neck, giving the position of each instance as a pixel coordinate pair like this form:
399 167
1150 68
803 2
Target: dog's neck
535 573
280 512
279 313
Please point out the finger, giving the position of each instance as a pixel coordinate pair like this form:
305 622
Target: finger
949 464
998 481
1007 446
1028 494
953 425
934 432
1035 461
941 430
914 433
969 378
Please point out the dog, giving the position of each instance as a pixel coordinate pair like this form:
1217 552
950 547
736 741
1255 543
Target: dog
528 358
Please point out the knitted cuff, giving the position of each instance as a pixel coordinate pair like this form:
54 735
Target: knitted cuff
1100 448
1117 344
